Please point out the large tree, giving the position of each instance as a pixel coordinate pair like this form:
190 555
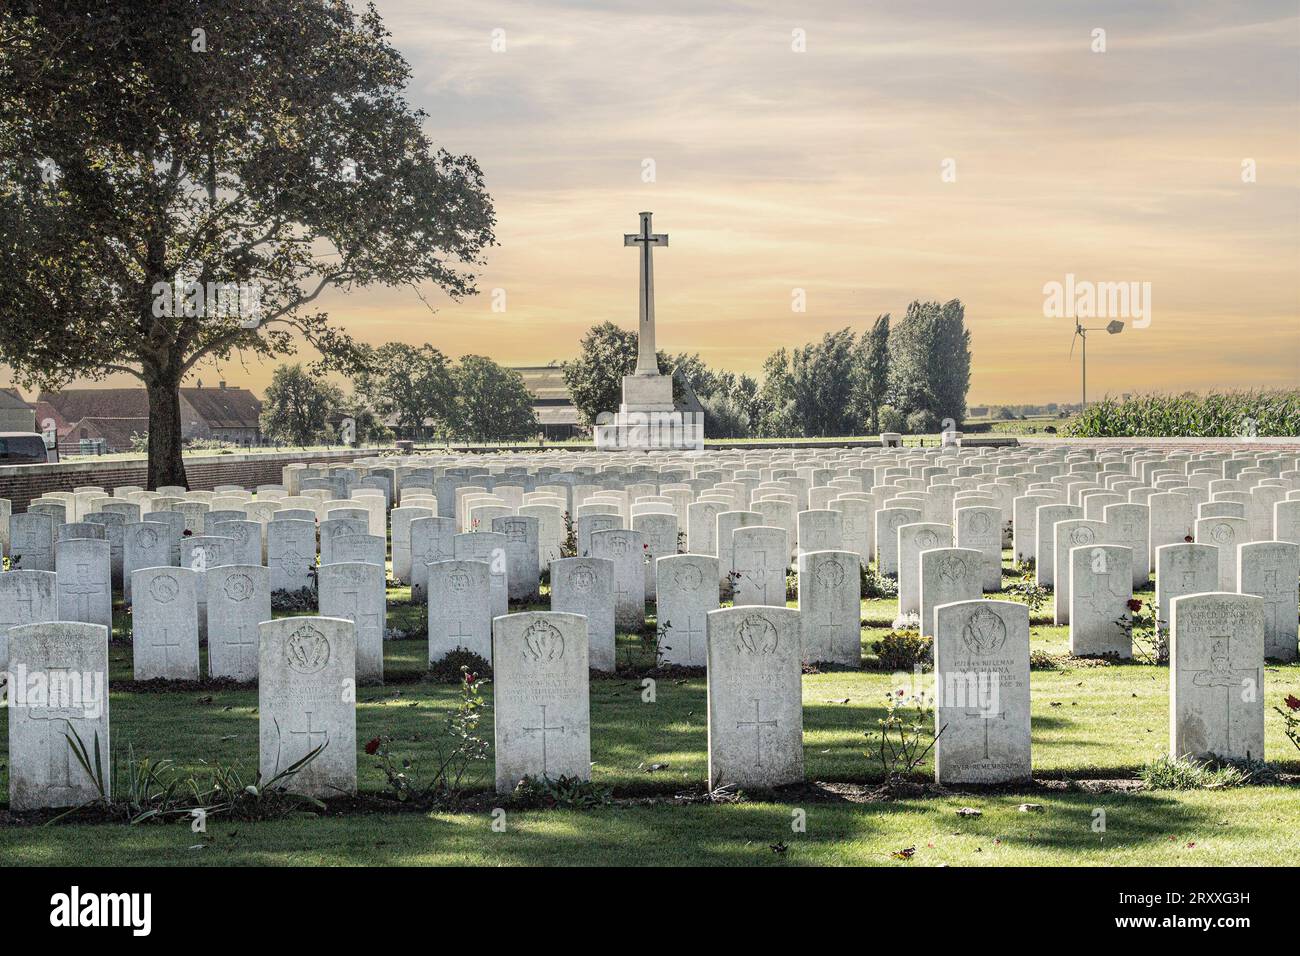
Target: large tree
297 405
607 353
409 384
929 361
492 402
147 145
823 381
873 372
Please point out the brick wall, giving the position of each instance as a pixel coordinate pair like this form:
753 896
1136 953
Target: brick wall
21 483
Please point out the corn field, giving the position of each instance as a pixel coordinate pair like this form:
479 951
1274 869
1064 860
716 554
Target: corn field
1214 415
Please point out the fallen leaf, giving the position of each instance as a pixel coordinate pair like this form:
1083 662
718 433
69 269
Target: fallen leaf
905 854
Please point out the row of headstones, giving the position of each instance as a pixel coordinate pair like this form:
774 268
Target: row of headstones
542 726
175 608
1093 594
607 591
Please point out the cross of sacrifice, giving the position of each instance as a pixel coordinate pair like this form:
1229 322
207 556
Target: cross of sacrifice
646 361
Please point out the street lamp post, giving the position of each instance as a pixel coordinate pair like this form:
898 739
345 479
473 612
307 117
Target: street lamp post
1114 327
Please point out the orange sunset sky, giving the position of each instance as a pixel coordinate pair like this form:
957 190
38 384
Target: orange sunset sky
778 170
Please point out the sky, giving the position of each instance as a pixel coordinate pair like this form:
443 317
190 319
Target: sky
936 150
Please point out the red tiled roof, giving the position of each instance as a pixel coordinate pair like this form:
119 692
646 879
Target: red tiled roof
224 407
217 407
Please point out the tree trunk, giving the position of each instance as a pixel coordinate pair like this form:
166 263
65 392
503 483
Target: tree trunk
165 464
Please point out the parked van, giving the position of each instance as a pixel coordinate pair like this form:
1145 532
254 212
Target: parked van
24 448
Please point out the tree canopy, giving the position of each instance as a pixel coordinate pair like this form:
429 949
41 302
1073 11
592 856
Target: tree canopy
154 154
296 406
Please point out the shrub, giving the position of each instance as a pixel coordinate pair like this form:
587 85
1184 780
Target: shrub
922 422
903 651
302 600
903 740
453 667
891 419
876 585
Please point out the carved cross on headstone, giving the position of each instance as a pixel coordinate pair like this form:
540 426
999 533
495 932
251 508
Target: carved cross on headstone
82 589
166 646
1221 674
692 630
310 733
241 641
544 729
988 718
758 726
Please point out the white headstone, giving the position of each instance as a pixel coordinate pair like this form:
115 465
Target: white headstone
1271 571
26 597
912 540
1216 676
355 592
624 548
761 557
948 575
1225 534
523 560
291 553
980 529
755 697
1101 585
31 542
69 700
542 698
830 595
1075 533
981 664
460 608
688 591
85 595
585 586
432 539
306 699
164 624
1183 569
239 600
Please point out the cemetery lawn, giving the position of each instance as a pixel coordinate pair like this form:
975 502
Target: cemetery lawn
1090 722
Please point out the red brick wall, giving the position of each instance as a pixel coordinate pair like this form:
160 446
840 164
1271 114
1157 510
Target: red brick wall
21 483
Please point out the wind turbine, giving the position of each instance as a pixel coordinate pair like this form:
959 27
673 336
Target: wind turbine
1113 327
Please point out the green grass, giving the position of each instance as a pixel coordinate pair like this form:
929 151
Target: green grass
1088 722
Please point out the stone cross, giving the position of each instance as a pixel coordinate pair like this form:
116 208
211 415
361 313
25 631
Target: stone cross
646 362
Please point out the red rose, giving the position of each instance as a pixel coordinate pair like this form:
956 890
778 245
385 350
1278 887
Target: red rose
372 746
1134 605
1292 702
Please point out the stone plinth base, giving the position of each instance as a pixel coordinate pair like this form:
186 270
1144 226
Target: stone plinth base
647 393
650 431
